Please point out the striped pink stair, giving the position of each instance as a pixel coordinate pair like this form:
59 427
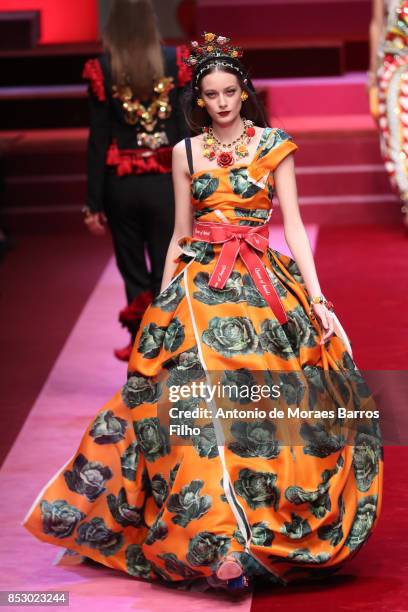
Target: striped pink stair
340 171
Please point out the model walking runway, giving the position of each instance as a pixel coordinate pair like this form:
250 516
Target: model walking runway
246 457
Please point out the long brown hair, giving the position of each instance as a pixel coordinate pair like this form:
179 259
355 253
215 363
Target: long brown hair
132 40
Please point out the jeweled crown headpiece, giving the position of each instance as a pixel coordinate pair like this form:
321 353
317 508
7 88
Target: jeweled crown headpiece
213 51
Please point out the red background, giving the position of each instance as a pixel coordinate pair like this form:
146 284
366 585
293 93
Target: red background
62 21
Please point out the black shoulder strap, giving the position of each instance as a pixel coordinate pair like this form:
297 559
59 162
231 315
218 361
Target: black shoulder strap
189 154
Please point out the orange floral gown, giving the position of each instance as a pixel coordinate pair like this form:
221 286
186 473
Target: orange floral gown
289 498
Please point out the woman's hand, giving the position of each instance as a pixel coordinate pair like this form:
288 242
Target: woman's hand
96 223
325 319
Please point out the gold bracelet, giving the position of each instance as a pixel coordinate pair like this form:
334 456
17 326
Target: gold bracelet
86 211
317 299
320 299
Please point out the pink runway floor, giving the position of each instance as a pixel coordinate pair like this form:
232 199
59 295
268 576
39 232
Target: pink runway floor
84 376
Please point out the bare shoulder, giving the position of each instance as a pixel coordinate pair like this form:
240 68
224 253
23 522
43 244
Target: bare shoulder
179 153
179 148
179 158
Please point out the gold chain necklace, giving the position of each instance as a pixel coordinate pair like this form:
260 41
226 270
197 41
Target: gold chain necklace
213 148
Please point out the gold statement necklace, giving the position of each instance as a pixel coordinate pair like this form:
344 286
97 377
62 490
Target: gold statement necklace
147 116
225 154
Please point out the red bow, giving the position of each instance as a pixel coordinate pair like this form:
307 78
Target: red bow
245 241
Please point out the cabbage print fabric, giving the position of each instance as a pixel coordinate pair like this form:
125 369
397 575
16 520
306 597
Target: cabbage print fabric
168 508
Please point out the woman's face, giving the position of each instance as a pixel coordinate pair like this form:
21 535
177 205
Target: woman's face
221 93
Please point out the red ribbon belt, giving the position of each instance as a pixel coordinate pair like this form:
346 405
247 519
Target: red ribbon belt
245 241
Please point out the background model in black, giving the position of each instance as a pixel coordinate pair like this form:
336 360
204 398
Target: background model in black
131 183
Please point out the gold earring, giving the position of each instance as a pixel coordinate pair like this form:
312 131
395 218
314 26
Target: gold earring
200 102
244 96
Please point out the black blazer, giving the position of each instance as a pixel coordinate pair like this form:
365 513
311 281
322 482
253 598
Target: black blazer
107 119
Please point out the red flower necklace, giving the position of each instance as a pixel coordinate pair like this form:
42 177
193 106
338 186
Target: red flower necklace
213 148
